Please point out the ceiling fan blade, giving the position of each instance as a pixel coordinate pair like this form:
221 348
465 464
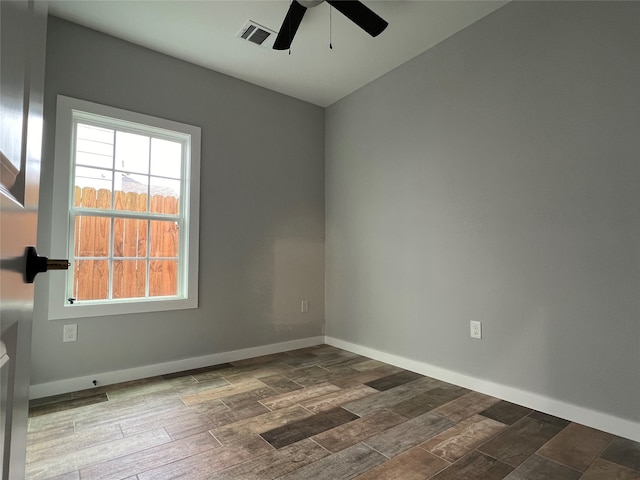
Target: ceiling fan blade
289 26
361 15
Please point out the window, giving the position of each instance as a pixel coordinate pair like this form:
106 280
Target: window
130 211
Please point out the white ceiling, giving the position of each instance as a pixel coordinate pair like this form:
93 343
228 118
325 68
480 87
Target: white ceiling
204 33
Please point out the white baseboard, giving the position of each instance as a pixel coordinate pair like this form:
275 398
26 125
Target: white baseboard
585 416
109 378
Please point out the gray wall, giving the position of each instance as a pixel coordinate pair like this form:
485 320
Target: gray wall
496 178
262 209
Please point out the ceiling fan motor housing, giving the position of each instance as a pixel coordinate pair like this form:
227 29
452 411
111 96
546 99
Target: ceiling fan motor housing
309 3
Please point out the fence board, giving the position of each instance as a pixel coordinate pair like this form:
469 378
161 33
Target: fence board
130 246
86 247
77 201
101 243
118 277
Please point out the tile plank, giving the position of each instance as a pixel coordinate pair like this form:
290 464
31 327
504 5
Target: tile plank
465 406
506 412
623 452
540 467
287 434
280 384
475 466
392 397
576 446
203 465
222 392
292 398
196 371
344 465
48 408
457 441
414 464
275 464
192 425
394 380
604 470
371 364
68 476
519 441
56 447
316 375
408 434
117 411
425 402
261 423
157 386
144 423
150 458
363 376
54 432
335 399
81 458
359 430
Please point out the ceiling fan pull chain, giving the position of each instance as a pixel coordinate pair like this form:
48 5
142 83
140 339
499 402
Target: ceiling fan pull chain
290 39
330 29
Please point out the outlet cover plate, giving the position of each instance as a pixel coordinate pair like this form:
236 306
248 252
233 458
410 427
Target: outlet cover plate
70 333
475 329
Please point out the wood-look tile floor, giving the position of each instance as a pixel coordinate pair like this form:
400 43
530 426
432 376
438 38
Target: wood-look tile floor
315 413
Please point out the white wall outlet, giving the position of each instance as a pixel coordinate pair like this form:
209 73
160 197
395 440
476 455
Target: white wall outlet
70 333
476 329
304 306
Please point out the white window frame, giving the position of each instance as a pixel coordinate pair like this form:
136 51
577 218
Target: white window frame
62 241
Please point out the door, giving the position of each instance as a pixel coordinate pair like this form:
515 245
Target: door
22 51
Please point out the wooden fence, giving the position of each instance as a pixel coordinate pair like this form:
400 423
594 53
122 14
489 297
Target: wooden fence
130 262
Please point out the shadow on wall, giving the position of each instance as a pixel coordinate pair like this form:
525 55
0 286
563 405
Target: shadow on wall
298 277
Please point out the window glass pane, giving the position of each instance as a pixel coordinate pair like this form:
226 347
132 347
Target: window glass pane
163 278
131 193
165 194
129 237
91 280
89 197
132 152
94 146
95 134
94 178
94 160
166 158
129 278
93 236
163 236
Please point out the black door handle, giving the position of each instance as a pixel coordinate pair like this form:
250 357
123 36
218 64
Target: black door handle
36 265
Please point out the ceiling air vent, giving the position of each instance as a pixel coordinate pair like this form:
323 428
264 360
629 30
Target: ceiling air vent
257 34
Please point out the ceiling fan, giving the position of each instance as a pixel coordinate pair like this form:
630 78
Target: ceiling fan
354 10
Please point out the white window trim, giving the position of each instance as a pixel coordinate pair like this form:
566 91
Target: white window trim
59 308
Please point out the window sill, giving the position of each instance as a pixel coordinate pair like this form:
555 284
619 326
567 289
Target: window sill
123 307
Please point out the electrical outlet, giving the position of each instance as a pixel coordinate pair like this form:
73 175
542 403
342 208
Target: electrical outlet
476 329
304 306
70 333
